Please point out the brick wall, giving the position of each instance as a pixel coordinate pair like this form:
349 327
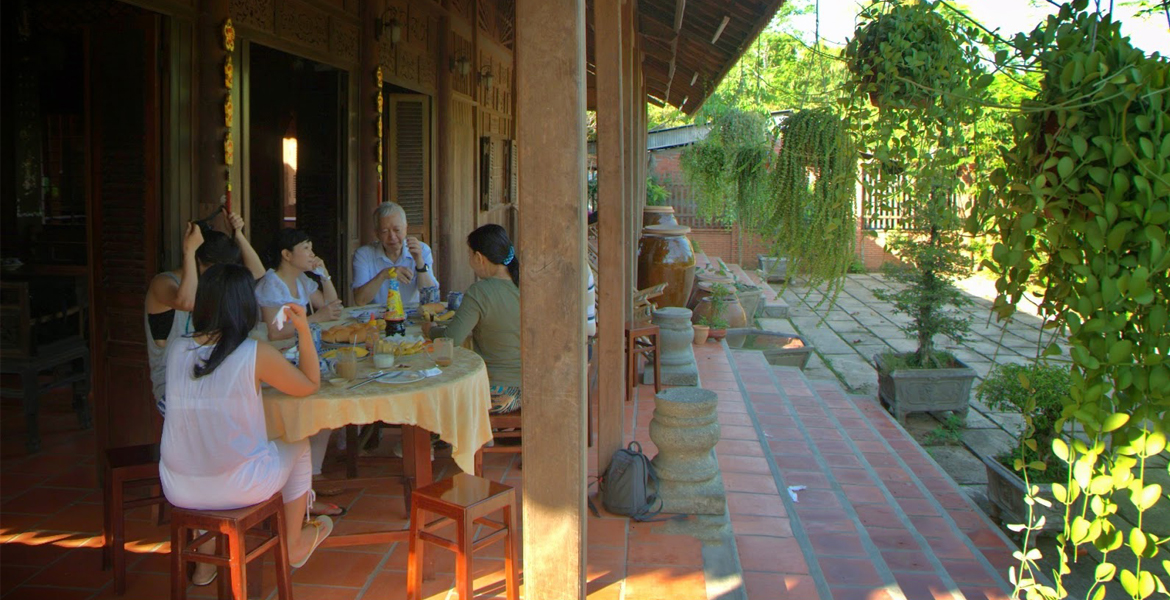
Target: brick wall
723 242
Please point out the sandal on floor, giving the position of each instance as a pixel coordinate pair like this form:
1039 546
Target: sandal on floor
322 526
209 581
335 510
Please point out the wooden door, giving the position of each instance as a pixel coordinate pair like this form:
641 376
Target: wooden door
408 139
122 114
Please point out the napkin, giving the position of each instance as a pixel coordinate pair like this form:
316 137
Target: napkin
280 318
432 372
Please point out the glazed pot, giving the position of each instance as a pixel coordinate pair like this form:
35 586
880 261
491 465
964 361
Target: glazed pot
665 256
658 215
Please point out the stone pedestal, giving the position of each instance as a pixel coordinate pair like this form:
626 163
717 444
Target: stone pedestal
675 337
685 428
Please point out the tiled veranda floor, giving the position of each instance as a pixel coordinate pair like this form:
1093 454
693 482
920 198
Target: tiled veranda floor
878 518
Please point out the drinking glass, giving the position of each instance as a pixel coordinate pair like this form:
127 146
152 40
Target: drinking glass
444 350
346 363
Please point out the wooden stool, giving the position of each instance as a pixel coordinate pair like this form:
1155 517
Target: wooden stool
228 528
129 466
635 346
505 426
467 500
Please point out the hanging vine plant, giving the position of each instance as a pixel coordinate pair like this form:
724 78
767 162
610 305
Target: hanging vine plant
729 169
1084 210
813 184
904 53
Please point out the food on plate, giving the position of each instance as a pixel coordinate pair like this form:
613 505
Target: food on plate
352 333
400 348
436 312
358 351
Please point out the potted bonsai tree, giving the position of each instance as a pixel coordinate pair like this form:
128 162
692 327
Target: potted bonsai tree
928 379
1036 392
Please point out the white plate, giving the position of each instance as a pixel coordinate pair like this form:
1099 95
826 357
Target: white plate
401 377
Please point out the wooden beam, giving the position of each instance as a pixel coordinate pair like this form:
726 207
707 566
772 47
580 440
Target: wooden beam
611 225
550 102
629 100
208 92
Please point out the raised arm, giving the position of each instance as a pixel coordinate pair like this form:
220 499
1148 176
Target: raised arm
273 369
367 278
251 259
163 294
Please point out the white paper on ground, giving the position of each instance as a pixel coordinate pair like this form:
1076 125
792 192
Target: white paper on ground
792 489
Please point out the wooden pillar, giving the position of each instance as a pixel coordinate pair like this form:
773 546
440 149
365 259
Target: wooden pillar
446 204
209 95
367 156
550 101
614 295
629 94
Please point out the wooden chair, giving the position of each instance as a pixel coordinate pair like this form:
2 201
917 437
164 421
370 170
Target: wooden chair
229 528
466 501
33 342
640 340
126 467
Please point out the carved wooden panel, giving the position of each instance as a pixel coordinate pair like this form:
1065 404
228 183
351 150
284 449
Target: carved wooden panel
496 18
344 40
427 75
464 8
461 48
257 14
298 22
407 64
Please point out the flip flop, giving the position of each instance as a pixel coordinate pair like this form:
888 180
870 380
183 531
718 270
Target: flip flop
205 583
323 526
340 510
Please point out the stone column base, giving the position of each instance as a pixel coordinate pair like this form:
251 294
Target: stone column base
684 497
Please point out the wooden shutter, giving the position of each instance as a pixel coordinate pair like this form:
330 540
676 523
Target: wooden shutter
124 222
409 158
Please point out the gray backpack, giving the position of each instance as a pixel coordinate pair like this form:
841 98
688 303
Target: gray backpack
629 486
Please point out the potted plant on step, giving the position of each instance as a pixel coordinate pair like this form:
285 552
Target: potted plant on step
716 327
702 331
1036 392
720 311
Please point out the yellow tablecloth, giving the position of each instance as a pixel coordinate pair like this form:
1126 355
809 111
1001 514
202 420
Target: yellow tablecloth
453 405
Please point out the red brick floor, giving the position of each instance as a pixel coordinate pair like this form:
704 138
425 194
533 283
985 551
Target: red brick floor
50 532
877 518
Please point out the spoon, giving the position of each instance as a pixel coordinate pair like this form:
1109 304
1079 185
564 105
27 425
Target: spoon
372 376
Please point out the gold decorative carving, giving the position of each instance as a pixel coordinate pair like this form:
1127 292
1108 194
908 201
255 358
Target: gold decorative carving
408 64
304 24
344 40
257 14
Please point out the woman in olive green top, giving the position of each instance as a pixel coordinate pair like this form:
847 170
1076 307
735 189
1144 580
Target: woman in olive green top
490 313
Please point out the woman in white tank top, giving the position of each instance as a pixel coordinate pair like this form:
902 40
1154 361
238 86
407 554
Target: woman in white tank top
216 454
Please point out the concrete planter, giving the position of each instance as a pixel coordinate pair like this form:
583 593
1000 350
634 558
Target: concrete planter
773 269
773 345
750 299
1006 491
924 390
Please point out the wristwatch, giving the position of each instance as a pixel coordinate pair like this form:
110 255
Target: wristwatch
422 269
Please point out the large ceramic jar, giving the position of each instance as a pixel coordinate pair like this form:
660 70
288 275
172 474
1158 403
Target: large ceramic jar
658 215
665 256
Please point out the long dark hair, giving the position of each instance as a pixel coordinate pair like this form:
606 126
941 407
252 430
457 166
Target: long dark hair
285 239
217 249
492 242
225 304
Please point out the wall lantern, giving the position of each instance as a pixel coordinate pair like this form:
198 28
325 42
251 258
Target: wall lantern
389 27
486 78
461 66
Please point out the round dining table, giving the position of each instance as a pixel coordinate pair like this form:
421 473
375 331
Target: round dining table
452 403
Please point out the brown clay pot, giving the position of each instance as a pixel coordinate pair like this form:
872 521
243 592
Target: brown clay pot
701 333
732 312
658 215
702 287
665 256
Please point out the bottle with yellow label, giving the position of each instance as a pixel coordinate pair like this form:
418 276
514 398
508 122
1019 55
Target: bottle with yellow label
394 311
